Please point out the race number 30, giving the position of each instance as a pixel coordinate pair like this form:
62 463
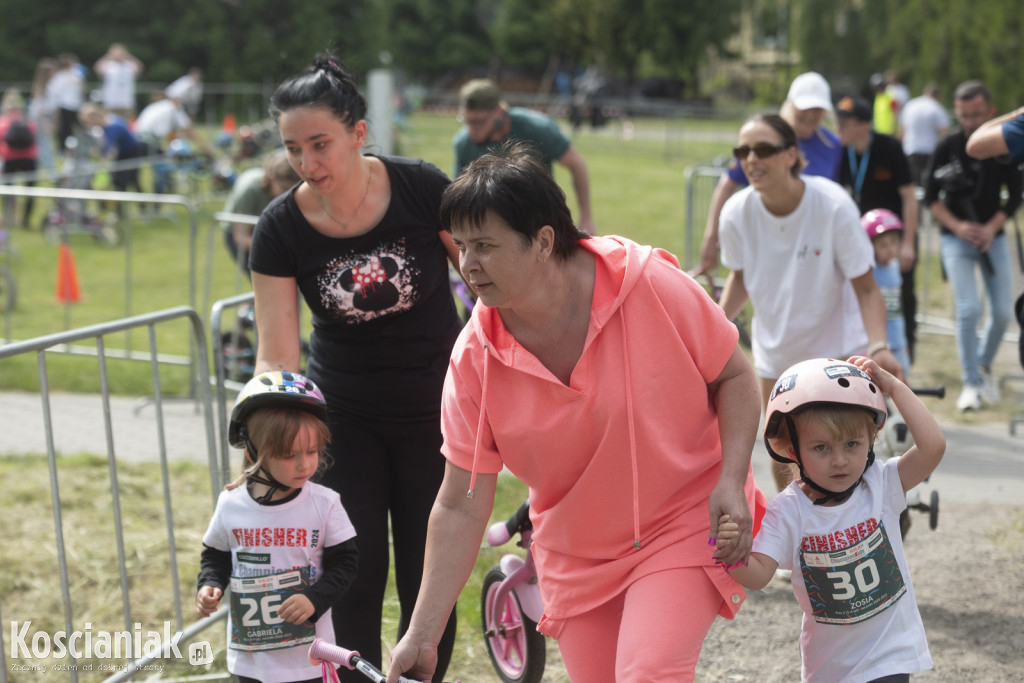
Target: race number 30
852 584
864 578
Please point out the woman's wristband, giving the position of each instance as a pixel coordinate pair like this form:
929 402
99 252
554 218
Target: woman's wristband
876 347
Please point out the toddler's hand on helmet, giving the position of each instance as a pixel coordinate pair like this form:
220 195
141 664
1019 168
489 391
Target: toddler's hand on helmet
885 380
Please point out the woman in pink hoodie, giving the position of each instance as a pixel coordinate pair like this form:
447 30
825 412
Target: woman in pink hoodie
610 383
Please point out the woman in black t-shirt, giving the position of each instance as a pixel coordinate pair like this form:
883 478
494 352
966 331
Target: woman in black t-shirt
359 238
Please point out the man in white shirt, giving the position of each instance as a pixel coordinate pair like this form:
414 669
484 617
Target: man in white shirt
160 122
119 68
923 122
188 90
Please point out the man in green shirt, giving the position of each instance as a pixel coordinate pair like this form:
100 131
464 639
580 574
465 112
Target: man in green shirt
488 121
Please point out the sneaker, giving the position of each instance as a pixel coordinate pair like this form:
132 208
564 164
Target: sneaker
989 388
970 398
784 575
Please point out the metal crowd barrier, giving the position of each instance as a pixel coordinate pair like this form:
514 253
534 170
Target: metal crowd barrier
98 333
172 200
699 182
223 365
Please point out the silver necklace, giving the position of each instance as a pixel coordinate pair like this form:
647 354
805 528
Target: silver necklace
355 212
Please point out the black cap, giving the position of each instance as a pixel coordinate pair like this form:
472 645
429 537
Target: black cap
855 108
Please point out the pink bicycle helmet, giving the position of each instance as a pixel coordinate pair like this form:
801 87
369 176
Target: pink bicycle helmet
820 381
877 221
274 390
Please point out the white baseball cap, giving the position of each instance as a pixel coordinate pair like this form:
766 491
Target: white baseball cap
810 91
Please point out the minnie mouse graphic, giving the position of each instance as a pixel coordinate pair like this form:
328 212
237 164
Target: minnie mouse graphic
370 284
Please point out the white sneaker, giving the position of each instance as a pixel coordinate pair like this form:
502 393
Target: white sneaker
989 388
784 574
970 398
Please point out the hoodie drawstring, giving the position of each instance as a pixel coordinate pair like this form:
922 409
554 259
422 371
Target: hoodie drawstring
479 423
632 434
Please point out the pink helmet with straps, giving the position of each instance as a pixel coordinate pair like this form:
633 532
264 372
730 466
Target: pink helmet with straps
822 380
877 221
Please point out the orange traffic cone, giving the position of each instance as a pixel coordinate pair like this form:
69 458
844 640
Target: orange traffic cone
67 277
229 123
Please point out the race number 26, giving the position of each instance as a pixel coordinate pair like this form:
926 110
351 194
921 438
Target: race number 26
265 606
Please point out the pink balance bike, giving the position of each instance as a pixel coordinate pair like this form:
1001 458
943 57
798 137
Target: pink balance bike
510 605
321 651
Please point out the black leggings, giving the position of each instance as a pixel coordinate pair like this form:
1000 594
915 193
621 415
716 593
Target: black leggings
382 468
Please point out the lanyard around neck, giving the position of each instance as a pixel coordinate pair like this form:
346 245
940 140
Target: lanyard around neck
859 171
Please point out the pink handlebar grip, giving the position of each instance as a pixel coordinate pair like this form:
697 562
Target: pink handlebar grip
321 650
497 534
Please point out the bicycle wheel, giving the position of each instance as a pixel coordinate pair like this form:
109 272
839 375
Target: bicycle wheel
516 649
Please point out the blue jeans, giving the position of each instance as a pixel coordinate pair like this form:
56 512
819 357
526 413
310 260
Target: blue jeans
962 261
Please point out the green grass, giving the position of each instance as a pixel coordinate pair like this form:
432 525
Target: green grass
638 191
29 577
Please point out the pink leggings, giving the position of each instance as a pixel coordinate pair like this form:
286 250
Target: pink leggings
653 631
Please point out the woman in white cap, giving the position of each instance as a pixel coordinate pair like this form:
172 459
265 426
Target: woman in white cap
808 103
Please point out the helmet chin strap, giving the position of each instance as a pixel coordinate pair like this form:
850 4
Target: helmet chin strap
255 478
827 496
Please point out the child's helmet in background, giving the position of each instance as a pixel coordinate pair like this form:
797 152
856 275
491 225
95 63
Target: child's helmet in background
877 221
274 390
179 149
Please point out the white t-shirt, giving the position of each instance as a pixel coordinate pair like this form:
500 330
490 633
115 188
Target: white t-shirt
186 89
851 579
119 84
797 271
922 119
64 89
275 548
162 118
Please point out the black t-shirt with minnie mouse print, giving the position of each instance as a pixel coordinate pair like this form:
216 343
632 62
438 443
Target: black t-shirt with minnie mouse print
383 317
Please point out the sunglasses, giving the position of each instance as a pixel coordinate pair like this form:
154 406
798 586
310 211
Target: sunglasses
763 150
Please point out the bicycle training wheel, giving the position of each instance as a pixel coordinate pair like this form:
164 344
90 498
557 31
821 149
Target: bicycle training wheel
516 648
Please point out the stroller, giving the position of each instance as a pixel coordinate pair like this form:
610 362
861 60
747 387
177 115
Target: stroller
71 216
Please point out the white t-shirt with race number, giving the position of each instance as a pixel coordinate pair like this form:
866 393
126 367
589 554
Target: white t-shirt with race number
276 550
851 579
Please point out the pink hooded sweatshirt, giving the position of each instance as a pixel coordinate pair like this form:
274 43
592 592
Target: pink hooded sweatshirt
620 463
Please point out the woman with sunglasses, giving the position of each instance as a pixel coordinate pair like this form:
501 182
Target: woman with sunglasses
797 251
807 105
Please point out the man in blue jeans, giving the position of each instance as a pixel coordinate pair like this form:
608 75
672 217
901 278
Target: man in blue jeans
972 215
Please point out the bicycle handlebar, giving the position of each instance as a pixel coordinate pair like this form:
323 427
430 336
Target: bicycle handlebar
938 392
321 650
500 533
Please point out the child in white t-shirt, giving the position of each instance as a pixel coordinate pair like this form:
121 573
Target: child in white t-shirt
281 546
837 527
